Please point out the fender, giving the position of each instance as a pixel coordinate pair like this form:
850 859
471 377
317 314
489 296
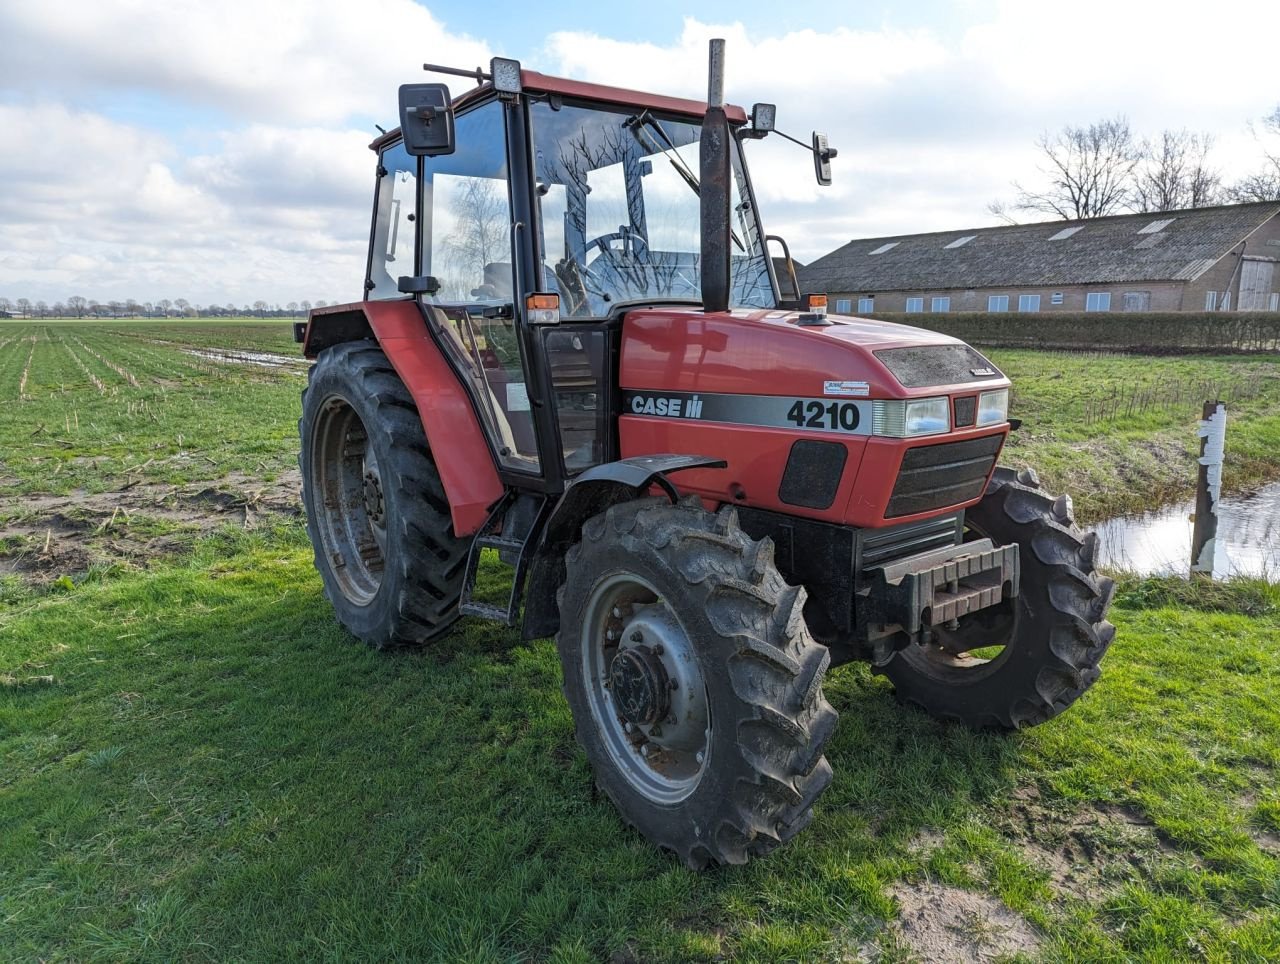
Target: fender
588 495
453 432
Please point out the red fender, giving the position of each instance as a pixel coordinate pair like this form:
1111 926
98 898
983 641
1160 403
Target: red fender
454 433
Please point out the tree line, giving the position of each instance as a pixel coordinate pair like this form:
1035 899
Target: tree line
77 306
1105 168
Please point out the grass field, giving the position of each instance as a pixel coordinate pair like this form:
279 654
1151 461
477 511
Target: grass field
196 763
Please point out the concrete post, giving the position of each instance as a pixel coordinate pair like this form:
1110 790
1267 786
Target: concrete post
1213 436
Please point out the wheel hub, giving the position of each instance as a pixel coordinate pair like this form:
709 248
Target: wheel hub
373 504
640 685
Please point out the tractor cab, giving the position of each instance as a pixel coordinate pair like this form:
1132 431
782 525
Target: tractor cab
559 206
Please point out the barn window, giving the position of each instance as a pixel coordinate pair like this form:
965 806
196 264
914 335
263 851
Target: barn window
1028 302
885 247
941 304
915 304
844 306
866 304
1065 233
1210 301
1097 301
1137 301
998 303
1055 298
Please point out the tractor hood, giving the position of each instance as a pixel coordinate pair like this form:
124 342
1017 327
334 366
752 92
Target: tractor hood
772 352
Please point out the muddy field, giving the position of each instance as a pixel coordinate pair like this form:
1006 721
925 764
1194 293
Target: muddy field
126 443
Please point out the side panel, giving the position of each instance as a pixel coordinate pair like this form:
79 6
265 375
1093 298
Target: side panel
453 431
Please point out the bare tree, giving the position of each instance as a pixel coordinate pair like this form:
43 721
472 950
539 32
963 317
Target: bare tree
480 237
24 305
77 303
1089 170
260 306
1264 185
1173 173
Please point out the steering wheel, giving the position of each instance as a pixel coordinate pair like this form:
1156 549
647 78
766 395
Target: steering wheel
601 273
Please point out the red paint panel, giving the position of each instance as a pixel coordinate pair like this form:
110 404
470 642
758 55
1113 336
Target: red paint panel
757 458
532 80
454 433
765 352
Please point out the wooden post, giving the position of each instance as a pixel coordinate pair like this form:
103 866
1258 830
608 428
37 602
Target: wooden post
1213 436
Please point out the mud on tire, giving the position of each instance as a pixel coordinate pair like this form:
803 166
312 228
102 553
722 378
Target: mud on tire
1054 635
386 552
769 721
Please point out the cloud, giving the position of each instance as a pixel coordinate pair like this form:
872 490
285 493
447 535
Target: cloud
286 61
247 176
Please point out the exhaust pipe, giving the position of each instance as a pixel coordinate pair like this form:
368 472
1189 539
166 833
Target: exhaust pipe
714 188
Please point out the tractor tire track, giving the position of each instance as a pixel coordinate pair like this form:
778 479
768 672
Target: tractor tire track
26 370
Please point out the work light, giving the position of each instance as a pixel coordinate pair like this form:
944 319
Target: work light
506 75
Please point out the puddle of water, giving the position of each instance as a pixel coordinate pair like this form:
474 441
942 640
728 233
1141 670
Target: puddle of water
1159 543
262 358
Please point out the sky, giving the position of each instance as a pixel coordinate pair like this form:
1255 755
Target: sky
217 151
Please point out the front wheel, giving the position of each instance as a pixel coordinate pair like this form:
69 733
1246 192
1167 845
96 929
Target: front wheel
695 687
1027 660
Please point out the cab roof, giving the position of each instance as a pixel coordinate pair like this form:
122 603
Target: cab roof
533 81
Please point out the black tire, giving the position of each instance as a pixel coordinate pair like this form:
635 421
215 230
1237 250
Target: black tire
386 551
762 766
1054 634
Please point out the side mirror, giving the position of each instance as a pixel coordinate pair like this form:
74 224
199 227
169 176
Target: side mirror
426 119
822 155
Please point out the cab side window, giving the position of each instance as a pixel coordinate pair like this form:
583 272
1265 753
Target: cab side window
392 251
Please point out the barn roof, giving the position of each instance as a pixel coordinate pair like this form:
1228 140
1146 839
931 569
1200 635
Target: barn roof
1169 246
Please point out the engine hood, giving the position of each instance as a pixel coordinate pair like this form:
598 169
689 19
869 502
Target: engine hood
771 352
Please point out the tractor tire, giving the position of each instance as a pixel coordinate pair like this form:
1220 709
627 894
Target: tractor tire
695 686
1051 638
376 511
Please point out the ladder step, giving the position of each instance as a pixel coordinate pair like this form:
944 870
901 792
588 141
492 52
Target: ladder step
486 611
497 542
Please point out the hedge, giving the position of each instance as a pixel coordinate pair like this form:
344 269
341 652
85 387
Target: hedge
1153 331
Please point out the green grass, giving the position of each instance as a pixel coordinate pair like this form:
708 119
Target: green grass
1118 431
158 414
197 763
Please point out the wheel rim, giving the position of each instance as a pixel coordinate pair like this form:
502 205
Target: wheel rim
348 501
983 642
645 689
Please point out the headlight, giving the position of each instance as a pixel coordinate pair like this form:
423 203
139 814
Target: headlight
907 418
993 407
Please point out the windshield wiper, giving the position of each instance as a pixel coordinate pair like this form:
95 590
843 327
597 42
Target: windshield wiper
636 125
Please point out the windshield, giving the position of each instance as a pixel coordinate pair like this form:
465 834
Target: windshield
620 211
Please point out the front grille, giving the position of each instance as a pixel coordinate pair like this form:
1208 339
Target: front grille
935 476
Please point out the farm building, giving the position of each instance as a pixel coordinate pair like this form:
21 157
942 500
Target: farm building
1216 259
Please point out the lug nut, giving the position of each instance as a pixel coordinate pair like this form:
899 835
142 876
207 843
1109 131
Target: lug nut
645 751
637 637
617 613
629 727
700 757
658 650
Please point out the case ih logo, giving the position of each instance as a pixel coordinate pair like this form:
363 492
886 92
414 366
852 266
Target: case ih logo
664 405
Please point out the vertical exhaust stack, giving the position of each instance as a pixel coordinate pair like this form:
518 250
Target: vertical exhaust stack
714 191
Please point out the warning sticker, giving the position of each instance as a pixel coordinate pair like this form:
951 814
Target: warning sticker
848 389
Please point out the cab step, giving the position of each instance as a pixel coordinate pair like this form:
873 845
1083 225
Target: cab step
514 547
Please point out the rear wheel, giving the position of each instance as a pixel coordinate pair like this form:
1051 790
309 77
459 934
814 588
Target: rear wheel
1027 660
376 511
695 687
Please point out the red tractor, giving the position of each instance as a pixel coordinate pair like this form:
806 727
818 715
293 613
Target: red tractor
573 350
